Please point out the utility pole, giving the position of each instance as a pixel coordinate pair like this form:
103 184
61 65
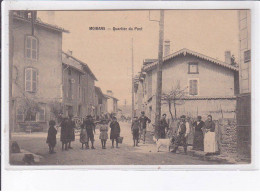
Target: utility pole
159 71
11 116
133 98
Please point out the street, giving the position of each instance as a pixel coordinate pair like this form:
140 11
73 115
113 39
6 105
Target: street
126 154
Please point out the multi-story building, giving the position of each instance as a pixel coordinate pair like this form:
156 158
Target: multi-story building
100 103
208 85
45 80
78 87
37 72
111 102
244 97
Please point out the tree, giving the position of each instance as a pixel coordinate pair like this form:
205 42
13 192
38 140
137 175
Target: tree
56 109
30 108
174 97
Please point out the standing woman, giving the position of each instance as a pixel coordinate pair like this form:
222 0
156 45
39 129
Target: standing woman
64 135
115 131
210 145
198 141
103 133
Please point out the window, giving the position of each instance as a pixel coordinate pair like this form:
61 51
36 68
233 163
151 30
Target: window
79 92
193 87
31 47
19 115
79 79
193 68
30 80
41 114
69 89
69 71
247 56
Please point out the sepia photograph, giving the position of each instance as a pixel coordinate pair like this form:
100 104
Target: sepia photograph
130 87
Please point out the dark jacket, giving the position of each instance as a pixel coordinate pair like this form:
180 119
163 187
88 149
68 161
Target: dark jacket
199 126
115 130
71 133
143 120
163 124
64 136
210 125
51 138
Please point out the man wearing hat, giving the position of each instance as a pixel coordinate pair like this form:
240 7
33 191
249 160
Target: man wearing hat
182 133
90 128
163 125
143 122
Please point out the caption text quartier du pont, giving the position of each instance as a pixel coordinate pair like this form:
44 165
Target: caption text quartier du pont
117 28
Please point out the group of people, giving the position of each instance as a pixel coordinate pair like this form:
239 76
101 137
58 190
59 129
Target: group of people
67 134
204 135
88 130
139 128
88 127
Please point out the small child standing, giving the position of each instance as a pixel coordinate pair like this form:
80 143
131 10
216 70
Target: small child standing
51 138
103 133
135 130
83 137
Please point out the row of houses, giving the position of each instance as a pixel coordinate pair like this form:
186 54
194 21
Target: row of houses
201 84
47 81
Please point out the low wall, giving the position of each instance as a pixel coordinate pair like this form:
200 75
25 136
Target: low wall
226 133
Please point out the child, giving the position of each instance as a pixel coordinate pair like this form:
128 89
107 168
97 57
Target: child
51 138
135 131
83 137
103 133
115 131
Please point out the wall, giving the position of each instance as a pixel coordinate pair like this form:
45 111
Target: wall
48 65
244 19
209 74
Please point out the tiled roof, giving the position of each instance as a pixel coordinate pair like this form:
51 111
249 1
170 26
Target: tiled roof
108 96
98 89
187 51
84 65
41 23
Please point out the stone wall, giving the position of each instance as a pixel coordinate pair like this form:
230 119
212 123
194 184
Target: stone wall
226 133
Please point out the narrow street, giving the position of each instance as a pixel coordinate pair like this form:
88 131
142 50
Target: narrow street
126 154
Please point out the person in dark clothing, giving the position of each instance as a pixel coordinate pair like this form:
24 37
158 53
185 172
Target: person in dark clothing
182 133
198 142
163 125
71 126
64 136
90 128
115 131
135 130
143 124
51 138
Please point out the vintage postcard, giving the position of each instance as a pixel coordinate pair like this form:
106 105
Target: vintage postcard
132 87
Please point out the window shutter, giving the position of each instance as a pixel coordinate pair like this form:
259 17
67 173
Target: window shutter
34 80
28 80
193 90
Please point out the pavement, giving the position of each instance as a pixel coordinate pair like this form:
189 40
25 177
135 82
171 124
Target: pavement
126 154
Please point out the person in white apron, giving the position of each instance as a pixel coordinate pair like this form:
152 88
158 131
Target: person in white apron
210 144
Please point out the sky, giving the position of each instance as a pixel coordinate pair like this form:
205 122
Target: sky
108 53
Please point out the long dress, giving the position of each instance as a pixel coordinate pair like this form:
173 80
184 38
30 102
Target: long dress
115 130
83 136
51 138
198 142
210 144
64 136
103 132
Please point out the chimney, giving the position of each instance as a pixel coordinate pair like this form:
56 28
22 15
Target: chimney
51 17
69 52
166 47
110 93
228 57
